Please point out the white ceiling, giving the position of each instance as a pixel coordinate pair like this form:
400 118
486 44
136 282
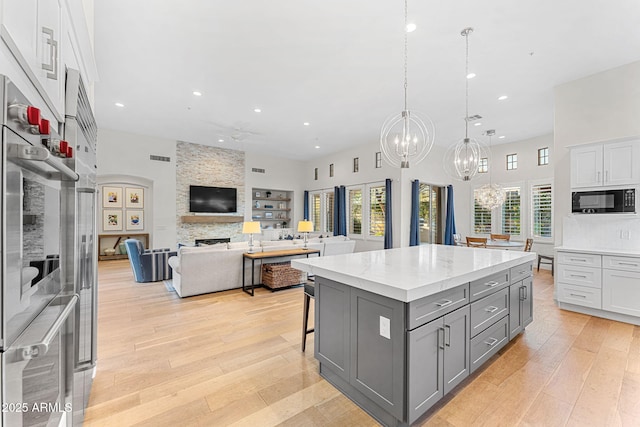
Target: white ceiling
339 66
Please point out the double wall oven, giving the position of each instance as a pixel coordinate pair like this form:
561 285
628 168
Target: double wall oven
37 307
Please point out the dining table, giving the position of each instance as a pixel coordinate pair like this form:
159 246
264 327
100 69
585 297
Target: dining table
501 244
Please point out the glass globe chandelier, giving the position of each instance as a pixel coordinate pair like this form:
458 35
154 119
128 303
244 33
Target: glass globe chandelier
490 196
406 137
462 160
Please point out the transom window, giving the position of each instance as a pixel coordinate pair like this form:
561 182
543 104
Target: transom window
512 161
483 166
543 156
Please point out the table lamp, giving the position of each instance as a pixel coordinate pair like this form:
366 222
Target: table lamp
251 228
305 227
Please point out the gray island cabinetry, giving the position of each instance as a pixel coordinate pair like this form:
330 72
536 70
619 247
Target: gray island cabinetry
396 330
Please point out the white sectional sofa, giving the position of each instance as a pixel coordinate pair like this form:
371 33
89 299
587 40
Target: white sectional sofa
205 269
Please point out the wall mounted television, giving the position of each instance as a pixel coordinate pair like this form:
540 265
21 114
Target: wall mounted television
212 199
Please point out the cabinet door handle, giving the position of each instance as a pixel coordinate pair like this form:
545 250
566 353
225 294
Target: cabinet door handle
491 309
447 335
445 303
492 284
491 342
521 290
628 263
606 176
52 66
526 293
441 338
598 177
577 295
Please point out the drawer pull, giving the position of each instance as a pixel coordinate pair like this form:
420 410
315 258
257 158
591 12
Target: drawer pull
491 309
445 303
492 284
577 295
578 259
628 263
491 342
578 275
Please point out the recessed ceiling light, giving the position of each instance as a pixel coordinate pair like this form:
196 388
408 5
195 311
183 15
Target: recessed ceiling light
119 104
317 146
471 75
477 124
221 140
502 98
501 137
411 27
257 110
196 93
306 123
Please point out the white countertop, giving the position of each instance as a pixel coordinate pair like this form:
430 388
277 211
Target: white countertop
613 252
407 274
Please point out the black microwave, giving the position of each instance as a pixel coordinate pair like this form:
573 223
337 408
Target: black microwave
604 201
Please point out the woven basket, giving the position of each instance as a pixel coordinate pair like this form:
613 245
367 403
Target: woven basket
281 274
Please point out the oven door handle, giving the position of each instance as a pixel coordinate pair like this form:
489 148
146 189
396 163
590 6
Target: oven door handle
27 155
31 351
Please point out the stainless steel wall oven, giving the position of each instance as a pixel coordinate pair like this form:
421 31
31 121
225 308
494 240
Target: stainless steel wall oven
36 308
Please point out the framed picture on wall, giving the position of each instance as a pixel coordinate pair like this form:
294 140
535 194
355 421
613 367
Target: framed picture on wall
135 220
111 197
112 219
134 197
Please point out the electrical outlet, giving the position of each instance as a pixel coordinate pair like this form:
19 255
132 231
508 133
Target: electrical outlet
385 327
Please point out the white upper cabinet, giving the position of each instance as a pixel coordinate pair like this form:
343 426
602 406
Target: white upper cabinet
32 30
608 164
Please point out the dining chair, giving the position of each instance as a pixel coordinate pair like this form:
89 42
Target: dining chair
528 245
477 242
505 237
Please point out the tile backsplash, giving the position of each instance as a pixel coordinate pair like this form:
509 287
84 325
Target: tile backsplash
606 231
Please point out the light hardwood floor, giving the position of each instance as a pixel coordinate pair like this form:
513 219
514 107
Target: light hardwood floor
229 359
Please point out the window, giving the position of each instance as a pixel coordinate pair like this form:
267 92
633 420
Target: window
483 166
378 159
331 170
315 211
543 156
541 211
511 211
481 216
430 218
512 162
315 174
356 164
377 202
328 212
355 211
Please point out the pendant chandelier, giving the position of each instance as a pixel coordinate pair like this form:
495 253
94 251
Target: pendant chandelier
462 160
490 196
405 137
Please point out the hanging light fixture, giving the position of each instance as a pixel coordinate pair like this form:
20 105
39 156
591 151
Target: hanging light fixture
462 160
406 137
490 196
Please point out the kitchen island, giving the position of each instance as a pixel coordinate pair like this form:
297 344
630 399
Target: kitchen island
398 329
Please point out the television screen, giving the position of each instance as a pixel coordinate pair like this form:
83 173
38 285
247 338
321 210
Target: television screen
212 199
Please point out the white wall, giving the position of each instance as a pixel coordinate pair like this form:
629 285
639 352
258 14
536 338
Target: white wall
121 153
600 107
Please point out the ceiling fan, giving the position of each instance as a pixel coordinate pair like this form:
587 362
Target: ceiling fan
237 132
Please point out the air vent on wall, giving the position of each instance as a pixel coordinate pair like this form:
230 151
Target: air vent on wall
257 170
159 158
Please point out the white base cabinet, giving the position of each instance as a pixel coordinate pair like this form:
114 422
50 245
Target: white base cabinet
605 285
